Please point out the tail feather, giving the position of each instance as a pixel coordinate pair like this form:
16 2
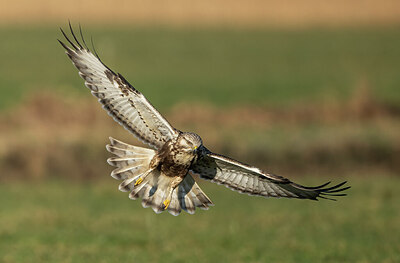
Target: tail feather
129 184
126 161
138 191
190 208
133 162
147 196
175 207
157 194
199 198
121 152
129 148
189 204
130 160
157 202
129 171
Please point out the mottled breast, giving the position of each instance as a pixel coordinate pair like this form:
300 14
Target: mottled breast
176 159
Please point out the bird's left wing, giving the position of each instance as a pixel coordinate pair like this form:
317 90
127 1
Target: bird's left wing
119 98
251 180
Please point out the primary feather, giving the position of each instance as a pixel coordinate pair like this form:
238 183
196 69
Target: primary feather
160 176
119 98
251 180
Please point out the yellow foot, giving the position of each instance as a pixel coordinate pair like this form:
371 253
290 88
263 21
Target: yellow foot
139 181
166 203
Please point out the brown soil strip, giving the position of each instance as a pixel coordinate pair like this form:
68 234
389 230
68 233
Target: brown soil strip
205 13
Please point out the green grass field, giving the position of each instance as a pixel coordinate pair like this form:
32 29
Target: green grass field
53 219
223 67
61 221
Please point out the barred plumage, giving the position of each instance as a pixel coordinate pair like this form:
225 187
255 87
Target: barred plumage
133 162
161 176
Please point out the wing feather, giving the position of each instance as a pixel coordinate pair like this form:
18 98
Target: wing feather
119 98
251 180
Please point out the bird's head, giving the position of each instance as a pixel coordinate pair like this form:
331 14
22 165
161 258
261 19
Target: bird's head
190 142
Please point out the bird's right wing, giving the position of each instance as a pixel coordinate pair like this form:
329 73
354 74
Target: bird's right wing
251 180
119 98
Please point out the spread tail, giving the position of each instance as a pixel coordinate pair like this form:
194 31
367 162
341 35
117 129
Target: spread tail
153 187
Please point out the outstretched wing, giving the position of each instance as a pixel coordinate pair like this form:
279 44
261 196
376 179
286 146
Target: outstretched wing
119 98
251 180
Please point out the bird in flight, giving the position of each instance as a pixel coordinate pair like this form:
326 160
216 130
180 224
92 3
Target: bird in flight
162 176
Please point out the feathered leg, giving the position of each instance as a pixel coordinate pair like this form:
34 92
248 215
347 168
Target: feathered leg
174 183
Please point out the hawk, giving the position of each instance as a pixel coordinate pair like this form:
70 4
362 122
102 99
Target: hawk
162 176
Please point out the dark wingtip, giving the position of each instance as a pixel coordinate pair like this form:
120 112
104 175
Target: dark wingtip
83 39
317 187
62 44
94 49
73 35
333 191
333 187
77 46
338 195
66 37
97 56
338 190
327 198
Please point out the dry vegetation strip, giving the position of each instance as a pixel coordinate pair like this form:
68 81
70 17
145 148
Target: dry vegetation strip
209 12
53 136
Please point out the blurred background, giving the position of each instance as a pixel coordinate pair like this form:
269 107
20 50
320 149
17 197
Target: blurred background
309 90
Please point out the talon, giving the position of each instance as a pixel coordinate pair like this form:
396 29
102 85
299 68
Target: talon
139 181
166 203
